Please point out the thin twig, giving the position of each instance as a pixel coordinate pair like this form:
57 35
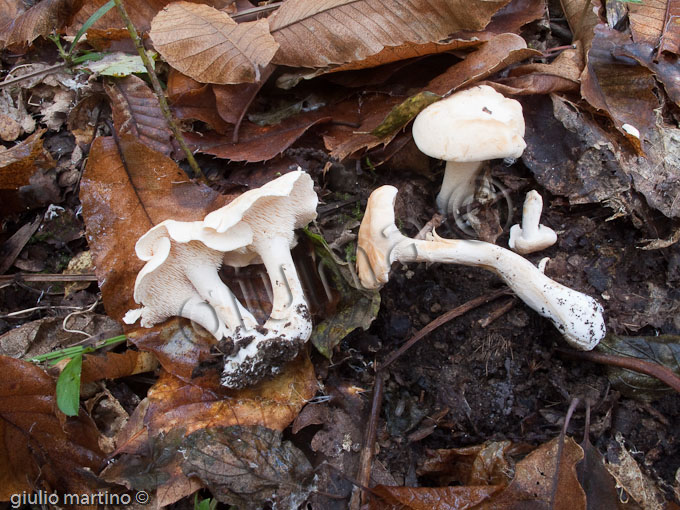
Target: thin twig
248 14
366 459
159 93
443 319
498 312
663 374
23 277
560 448
47 70
37 308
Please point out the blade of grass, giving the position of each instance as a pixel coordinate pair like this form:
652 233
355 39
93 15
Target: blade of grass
91 21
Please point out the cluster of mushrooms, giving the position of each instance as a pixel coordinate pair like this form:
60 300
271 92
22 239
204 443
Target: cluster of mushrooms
258 227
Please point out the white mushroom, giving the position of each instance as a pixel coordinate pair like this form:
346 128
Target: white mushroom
272 212
181 277
576 315
531 236
465 129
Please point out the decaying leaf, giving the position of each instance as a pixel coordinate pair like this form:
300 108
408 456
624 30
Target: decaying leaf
663 350
257 143
495 54
356 308
41 449
421 498
248 466
48 334
233 100
136 112
319 34
629 476
663 66
402 114
369 112
41 19
121 201
656 22
202 402
623 91
196 101
207 45
18 165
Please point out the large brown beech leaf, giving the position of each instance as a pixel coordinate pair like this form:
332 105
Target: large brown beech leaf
209 46
125 191
319 33
656 22
40 20
136 112
39 447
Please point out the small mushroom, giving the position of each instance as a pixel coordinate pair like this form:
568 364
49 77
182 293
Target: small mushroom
576 315
465 129
181 278
272 213
531 236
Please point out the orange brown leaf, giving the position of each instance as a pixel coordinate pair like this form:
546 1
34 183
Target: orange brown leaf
125 191
40 20
40 447
209 46
316 33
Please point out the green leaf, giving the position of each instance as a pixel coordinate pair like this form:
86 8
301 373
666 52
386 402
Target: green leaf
91 21
68 387
118 65
357 306
662 349
404 112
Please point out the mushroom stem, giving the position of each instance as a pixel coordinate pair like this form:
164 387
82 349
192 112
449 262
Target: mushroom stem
576 315
210 287
286 288
459 183
531 213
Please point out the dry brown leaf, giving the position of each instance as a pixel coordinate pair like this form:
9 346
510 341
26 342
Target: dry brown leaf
141 13
122 201
203 402
233 100
196 101
257 143
179 346
497 53
136 112
404 51
582 20
656 22
10 9
315 33
40 447
113 365
512 17
664 66
82 119
430 498
341 141
622 91
21 166
41 19
209 46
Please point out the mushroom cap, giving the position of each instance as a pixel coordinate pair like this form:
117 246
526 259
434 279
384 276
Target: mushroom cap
378 235
472 125
275 209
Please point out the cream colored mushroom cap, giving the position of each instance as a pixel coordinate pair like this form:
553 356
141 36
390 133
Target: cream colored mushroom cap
378 235
476 124
275 209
